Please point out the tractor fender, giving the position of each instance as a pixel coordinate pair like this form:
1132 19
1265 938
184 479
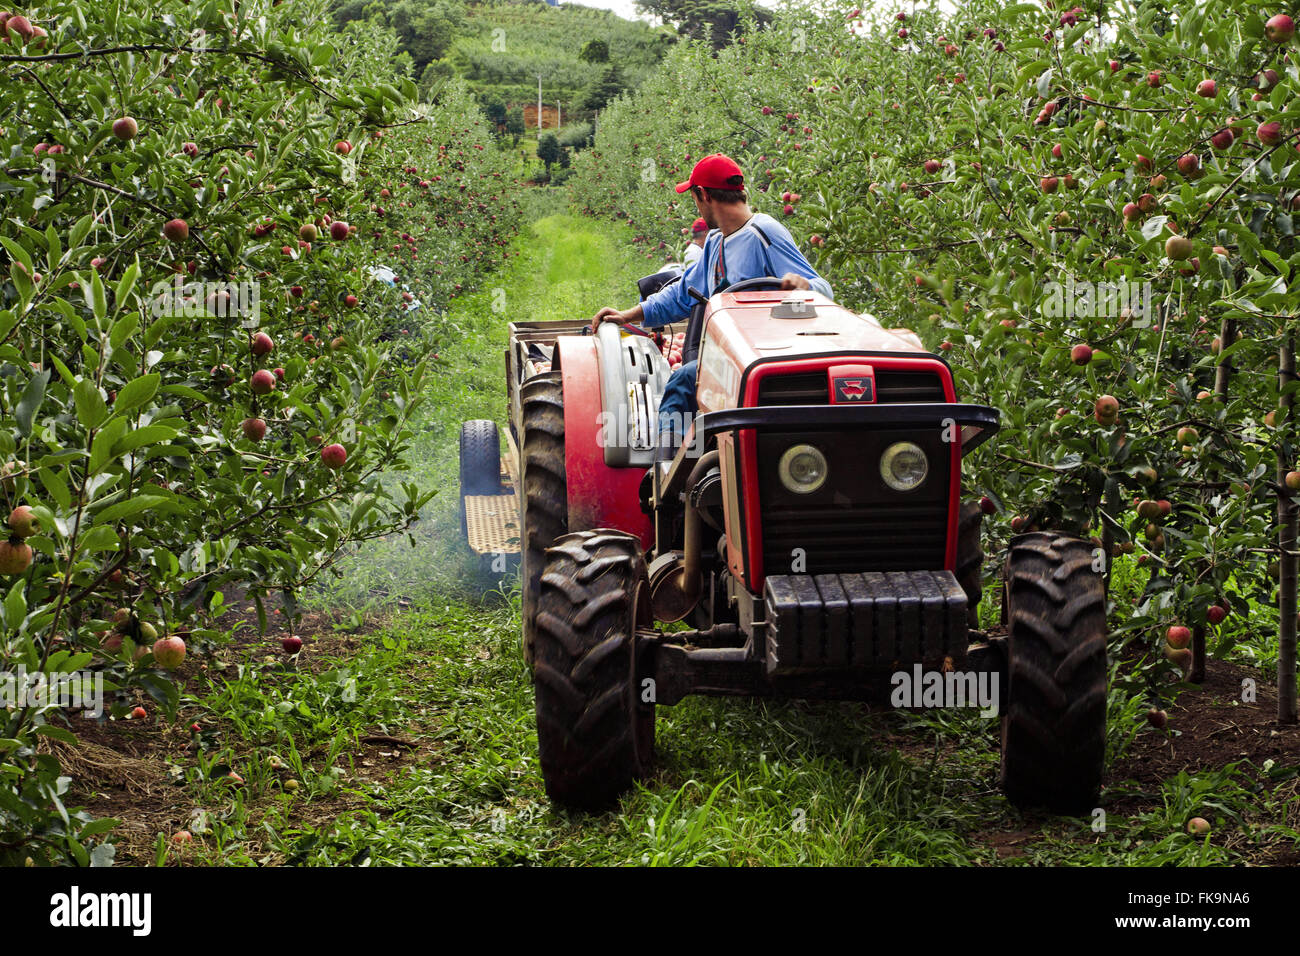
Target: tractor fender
600 496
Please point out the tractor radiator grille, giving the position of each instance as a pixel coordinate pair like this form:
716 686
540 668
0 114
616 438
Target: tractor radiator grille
809 388
865 537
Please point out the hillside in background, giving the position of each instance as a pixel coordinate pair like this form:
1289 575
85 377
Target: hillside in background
583 55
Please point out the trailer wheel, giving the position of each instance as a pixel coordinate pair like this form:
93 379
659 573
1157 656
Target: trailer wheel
1054 723
545 494
594 734
480 463
970 558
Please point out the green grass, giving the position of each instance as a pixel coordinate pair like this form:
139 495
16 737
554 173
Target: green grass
736 781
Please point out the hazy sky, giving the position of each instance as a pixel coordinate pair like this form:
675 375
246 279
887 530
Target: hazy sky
627 8
624 8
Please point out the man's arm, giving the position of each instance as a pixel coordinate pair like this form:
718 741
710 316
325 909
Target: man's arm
672 303
786 259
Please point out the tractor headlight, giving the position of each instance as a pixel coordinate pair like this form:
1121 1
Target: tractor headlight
802 469
904 466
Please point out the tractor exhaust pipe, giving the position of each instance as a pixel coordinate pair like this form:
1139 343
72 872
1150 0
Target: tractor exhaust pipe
676 579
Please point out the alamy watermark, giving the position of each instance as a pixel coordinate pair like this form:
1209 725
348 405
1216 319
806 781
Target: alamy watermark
176 297
1094 300
947 689
81 690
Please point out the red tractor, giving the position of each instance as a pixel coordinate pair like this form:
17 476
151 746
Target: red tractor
809 540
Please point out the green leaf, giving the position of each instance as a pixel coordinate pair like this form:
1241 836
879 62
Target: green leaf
136 392
148 435
101 449
134 506
25 412
123 329
126 286
18 252
55 487
92 410
96 300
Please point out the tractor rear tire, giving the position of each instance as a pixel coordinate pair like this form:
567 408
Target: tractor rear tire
480 463
594 734
1054 721
970 558
545 493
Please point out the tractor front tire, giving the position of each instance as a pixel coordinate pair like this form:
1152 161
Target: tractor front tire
545 498
1054 723
594 734
480 463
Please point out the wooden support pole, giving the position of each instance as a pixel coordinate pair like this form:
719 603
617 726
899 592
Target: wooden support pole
1286 540
1222 374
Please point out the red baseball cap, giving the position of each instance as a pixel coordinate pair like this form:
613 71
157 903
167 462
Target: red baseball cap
714 172
699 225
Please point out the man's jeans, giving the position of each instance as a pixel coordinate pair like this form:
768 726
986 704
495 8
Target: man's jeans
678 405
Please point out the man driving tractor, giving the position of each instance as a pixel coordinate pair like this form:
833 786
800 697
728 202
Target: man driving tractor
741 245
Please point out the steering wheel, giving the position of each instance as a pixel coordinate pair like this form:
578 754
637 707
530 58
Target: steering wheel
762 282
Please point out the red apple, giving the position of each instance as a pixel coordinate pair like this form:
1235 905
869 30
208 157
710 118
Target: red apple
254 428
1215 614
262 382
1048 184
338 231
22 522
1189 164
1178 248
343 147
176 230
291 645
1106 410
1207 88
1279 28
1157 718
1199 826
987 506
169 652
334 456
15 556
1270 134
125 128
1081 354
1178 636
139 713
262 344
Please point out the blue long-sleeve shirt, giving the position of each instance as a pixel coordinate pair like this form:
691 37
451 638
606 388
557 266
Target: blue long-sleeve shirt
747 256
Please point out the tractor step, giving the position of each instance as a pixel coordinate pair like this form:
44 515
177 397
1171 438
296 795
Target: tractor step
492 523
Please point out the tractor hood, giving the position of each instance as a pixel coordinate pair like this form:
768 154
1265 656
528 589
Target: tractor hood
743 328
